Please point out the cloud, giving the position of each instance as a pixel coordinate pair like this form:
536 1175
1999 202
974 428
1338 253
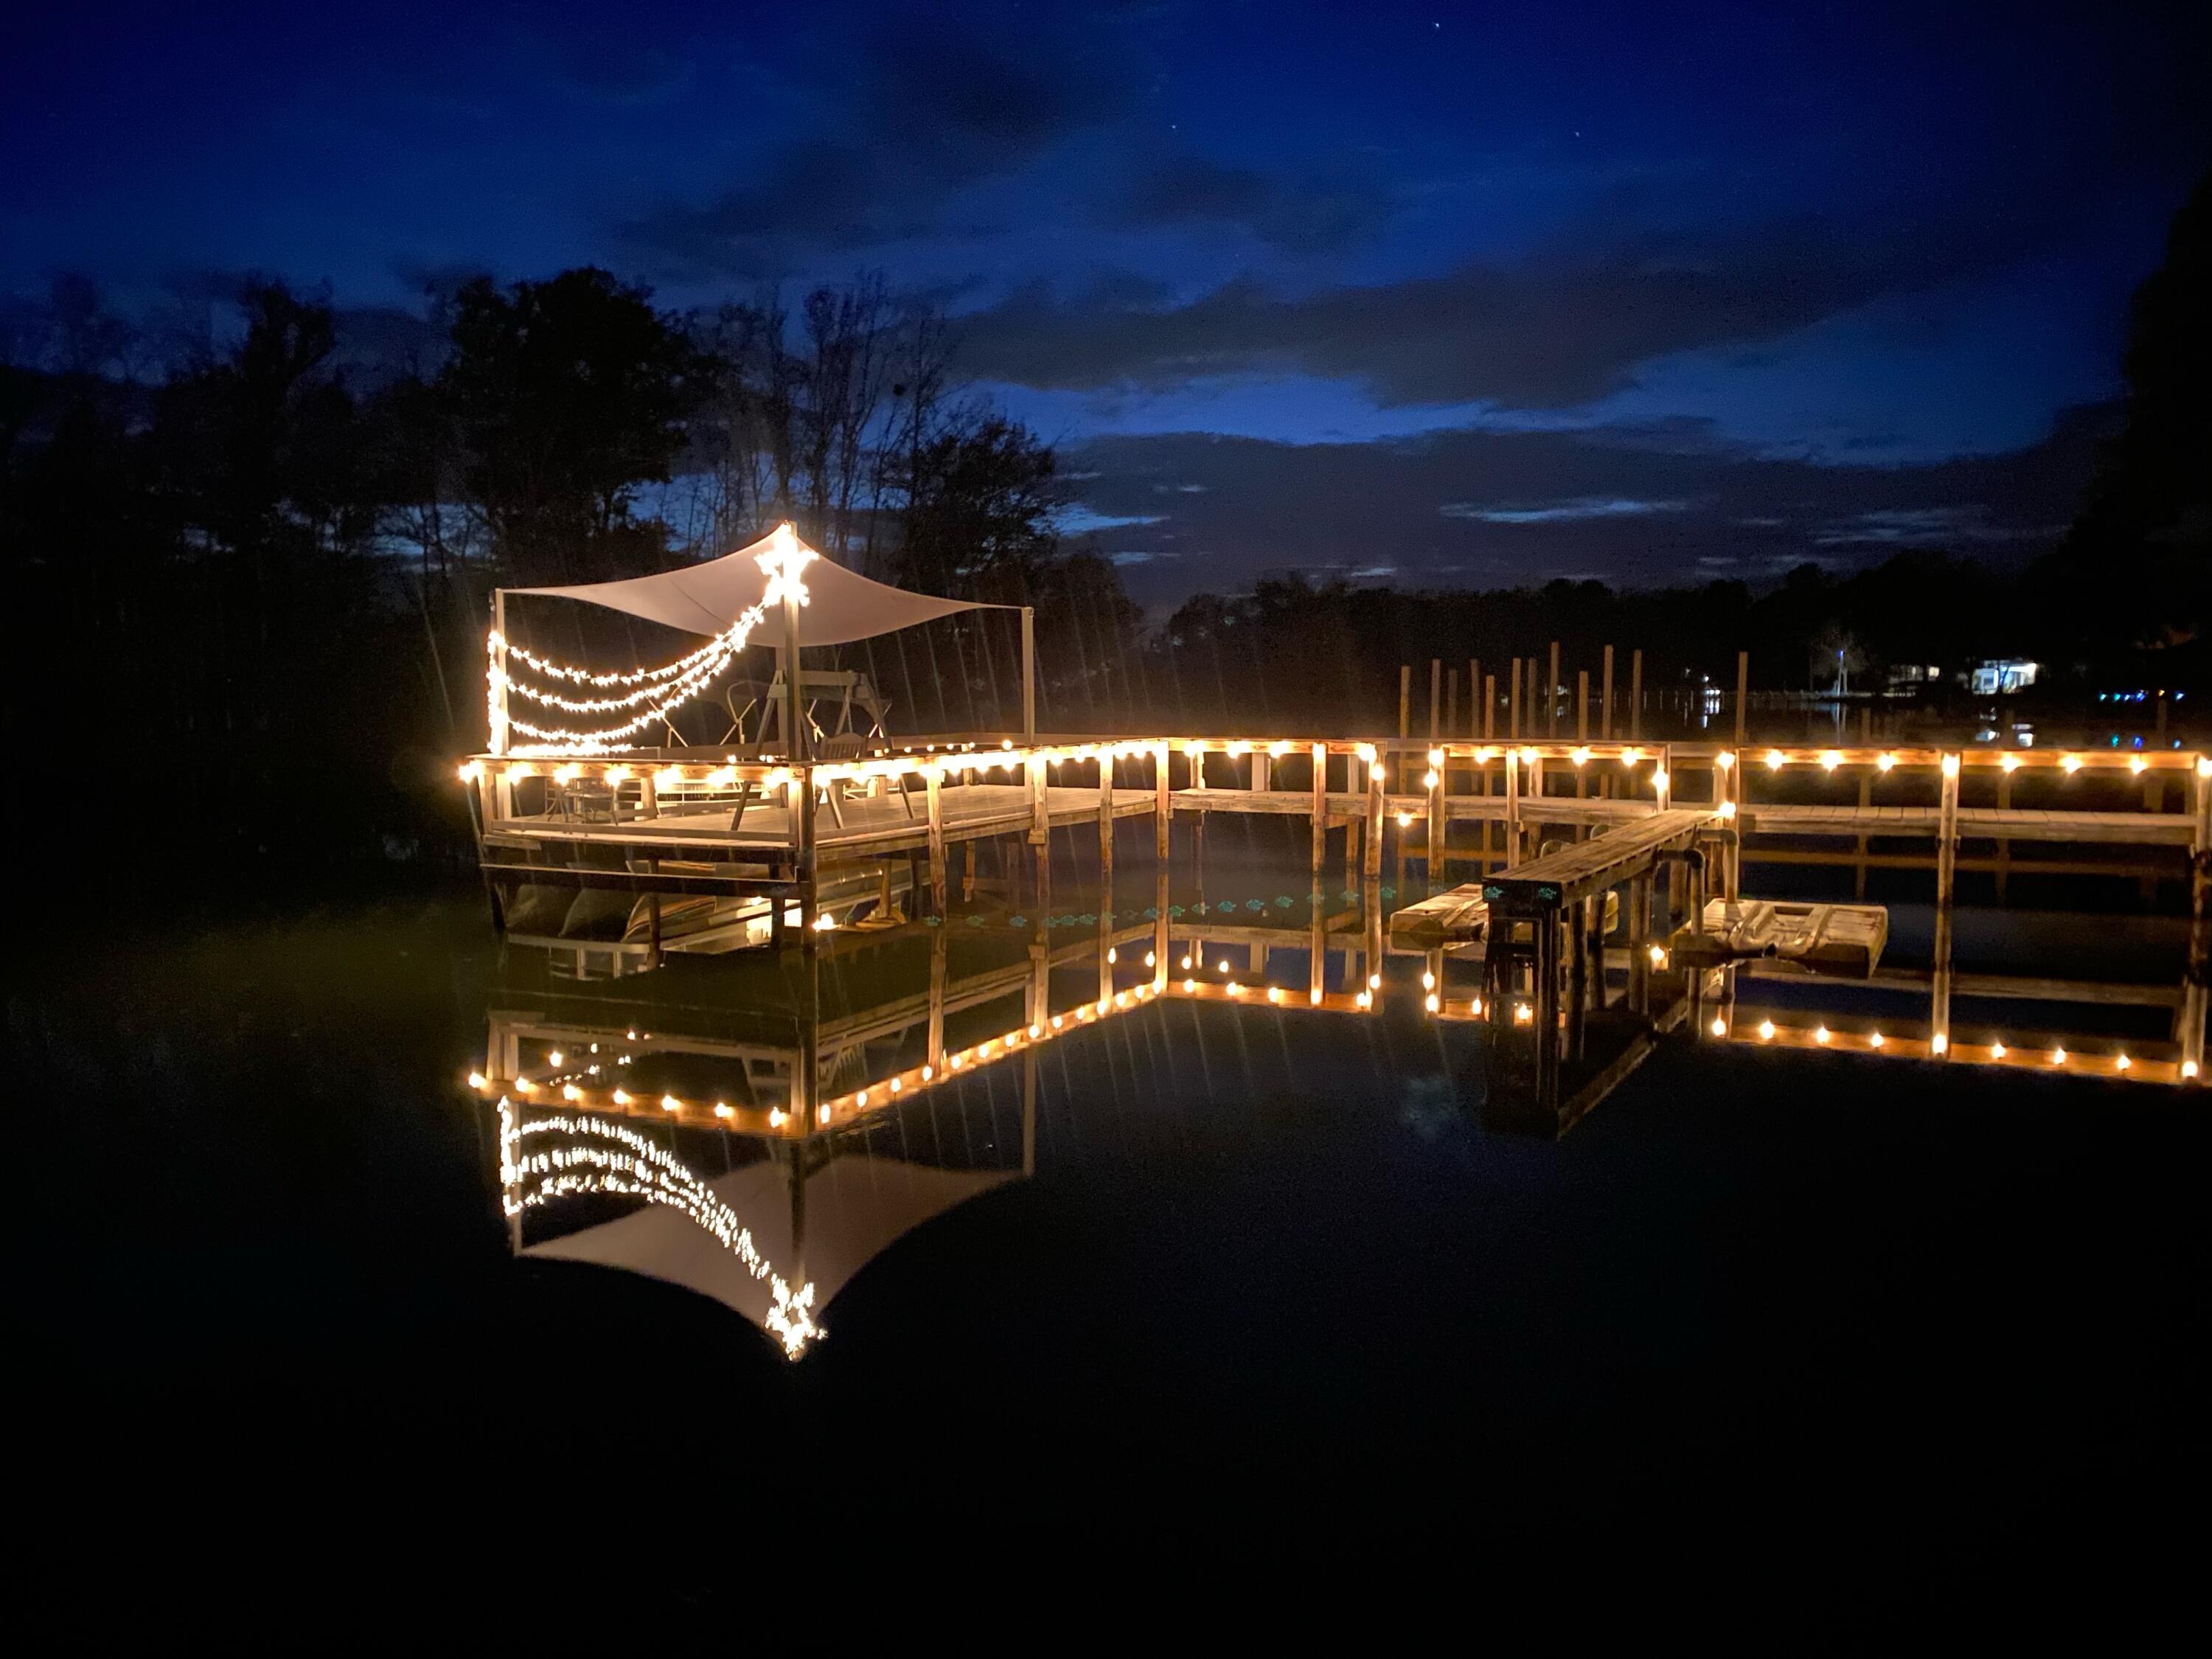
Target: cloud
926 113
1494 508
1318 216
1585 507
1567 326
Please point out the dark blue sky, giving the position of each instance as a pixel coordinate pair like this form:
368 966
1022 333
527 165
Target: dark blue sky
1450 293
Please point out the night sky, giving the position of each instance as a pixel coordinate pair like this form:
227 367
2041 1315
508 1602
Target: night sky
1449 293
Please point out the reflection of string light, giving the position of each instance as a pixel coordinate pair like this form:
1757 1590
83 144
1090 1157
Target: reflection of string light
635 1167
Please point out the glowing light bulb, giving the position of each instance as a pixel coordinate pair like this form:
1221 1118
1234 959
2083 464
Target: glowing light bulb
2010 763
1996 1051
2123 1062
1365 999
570 1091
1185 962
1478 1007
1279 748
1523 1013
1885 760
1405 820
775 1117
1374 982
1428 981
1314 995
722 1110
823 1116
1766 1030
476 1079
1659 779
2137 764
1658 957
1579 757
1774 759
670 1103
621 1097
860 1098
1274 993
472 772
824 922
1725 760
1429 780
1819 1034
1430 1003
1222 966
1831 759
2204 766
1055 1021
554 1058
1235 989
1727 809
1950 766
1037 1030
1720 1026
1939 1044
2069 763
2057 1056
1876 1039
1189 985
1113 955
1529 756
1148 958
2188 1068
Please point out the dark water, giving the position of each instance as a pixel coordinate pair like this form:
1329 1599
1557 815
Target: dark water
1269 1286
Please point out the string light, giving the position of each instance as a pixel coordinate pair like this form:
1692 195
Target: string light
1885 760
1766 1030
653 691
2137 764
2072 764
1831 759
1774 759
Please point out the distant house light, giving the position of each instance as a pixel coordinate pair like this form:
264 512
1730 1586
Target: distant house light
2000 676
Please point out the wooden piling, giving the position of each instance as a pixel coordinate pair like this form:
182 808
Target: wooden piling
1946 871
933 790
1405 695
1163 804
1320 812
1436 697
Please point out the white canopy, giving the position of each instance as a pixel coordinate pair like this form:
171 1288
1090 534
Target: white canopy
843 606
856 1206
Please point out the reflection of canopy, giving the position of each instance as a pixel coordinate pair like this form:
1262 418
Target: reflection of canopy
856 1207
843 606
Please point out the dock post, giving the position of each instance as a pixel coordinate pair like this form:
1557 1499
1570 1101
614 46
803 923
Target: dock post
1512 808
1160 927
1947 868
1029 676
1436 695
1582 729
1405 694
1513 707
1605 700
932 788
1546 998
1041 828
2197 994
1635 695
1742 692
1438 822
1371 875
1552 694
1320 812
1162 811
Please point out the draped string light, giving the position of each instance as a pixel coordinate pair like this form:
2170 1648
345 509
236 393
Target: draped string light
656 692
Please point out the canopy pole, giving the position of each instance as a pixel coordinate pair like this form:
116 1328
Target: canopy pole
1029 674
795 714
495 741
